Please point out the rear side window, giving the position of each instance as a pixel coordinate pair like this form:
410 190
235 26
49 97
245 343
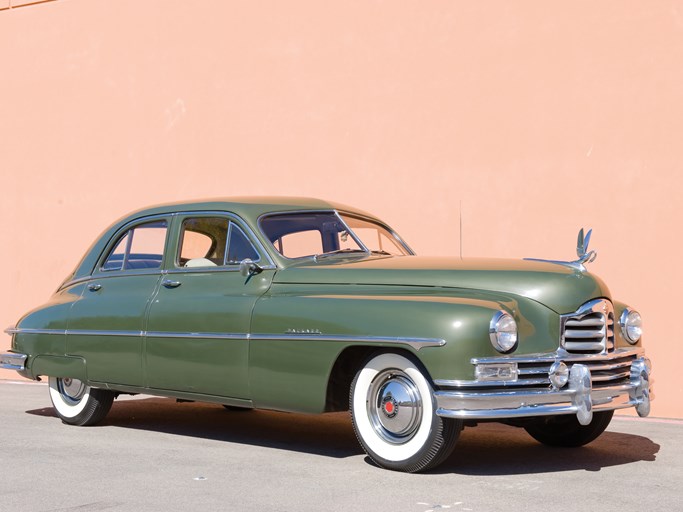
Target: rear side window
141 247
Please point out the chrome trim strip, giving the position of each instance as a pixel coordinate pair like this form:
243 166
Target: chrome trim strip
606 378
608 367
539 370
12 329
445 383
571 264
416 343
206 270
108 274
22 330
560 354
96 332
204 335
77 332
13 361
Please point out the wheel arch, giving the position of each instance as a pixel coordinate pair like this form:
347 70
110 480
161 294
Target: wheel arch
347 364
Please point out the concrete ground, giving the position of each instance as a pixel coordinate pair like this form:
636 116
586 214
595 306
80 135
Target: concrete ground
152 454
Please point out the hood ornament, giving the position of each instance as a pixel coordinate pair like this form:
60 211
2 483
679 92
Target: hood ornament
585 256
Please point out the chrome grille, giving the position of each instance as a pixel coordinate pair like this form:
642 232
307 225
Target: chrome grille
607 370
590 330
603 372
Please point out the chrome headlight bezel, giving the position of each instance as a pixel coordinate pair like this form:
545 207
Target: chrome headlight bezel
503 332
631 325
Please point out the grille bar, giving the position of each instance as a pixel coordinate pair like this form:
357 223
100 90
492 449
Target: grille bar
538 370
590 330
607 370
585 322
611 376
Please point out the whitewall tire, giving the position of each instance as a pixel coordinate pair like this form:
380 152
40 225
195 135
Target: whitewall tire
394 415
76 403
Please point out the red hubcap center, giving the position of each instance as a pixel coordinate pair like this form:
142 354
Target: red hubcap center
389 407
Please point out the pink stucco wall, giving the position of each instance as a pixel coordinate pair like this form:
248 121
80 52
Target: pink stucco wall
537 117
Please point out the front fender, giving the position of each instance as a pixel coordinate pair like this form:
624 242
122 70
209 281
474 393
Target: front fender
297 334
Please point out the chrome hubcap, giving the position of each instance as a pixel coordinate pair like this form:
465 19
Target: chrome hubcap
71 389
394 406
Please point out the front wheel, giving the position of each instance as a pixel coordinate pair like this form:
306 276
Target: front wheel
567 431
76 403
394 416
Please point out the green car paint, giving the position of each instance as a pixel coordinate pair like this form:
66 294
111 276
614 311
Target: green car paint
287 337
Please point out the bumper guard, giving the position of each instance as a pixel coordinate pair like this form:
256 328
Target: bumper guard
578 396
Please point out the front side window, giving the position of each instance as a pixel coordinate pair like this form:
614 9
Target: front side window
141 247
203 241
213 242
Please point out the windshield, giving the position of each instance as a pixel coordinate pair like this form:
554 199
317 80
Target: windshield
375 238
297 235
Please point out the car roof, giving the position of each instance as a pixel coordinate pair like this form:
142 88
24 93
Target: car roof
248 208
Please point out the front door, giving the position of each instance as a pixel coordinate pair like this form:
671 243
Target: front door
198 324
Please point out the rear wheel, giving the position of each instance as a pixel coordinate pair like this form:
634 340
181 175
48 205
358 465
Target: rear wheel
567 431
394 416
76 403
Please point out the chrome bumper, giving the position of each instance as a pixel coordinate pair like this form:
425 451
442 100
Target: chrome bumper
13 361
579 396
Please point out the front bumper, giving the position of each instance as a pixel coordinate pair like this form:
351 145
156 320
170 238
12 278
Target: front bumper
13 361
596 383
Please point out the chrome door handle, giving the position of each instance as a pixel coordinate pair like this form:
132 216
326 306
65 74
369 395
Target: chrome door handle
93 287
170 284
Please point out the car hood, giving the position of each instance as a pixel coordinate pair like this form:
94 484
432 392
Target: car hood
558 287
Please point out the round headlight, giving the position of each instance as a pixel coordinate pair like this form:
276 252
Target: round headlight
503 332
631 325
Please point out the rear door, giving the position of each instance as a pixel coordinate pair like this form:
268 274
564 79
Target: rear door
106 325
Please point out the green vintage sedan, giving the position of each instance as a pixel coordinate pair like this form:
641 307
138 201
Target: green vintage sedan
303 305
